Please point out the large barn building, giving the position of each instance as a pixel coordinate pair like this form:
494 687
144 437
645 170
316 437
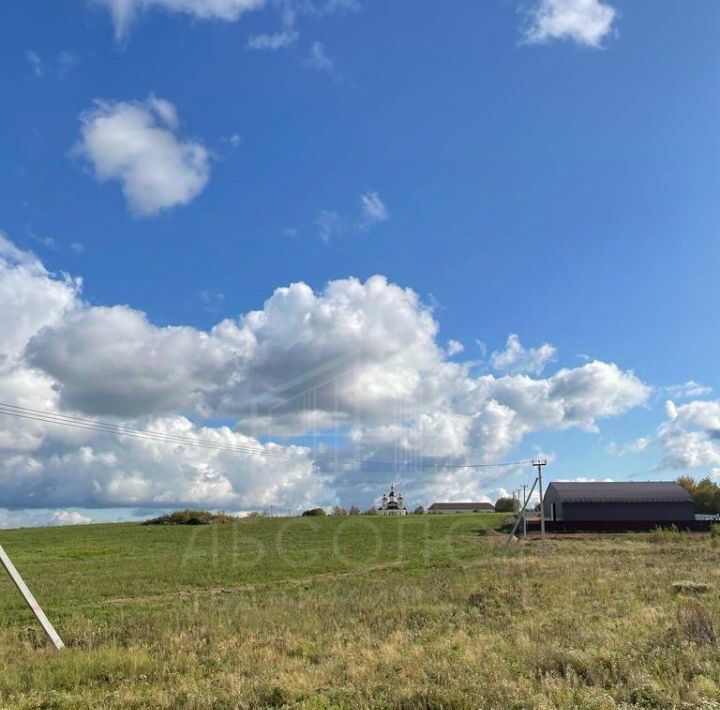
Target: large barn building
652 501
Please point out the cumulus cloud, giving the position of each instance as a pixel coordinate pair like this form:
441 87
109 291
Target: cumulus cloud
691 435
517 359
109 470
113 361
124 12
587 22
357 365
138 144
34 518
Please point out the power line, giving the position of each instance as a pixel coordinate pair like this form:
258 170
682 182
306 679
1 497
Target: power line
122 430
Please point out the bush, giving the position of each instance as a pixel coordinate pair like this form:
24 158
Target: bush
190 517
419 510
705 493
505 505
337 510
371 511
314 511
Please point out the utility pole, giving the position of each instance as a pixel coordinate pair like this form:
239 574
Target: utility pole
524 518
30 600
539 465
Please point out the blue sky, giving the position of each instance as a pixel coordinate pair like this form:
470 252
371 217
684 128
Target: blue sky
544 168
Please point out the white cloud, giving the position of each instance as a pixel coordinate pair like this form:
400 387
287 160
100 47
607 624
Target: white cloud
586 22
70 517
32 298
107 470
330 224
636 446
454 347
516 359
373 211
687 390
691 435
319 59
137 144
357 356
279 40
373 208
124 12
33 518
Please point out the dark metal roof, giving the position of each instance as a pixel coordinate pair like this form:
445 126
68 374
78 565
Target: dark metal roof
462 506
621 492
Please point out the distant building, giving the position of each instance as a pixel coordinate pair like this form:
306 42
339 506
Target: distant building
654 501
461 508
392 504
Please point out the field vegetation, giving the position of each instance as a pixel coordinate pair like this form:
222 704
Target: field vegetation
361 612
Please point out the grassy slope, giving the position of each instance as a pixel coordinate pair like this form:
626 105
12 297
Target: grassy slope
358 612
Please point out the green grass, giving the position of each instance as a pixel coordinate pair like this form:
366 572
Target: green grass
360 612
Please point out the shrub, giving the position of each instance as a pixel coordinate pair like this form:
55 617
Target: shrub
665 534
505 505
314 511
419 510
705 493
190 517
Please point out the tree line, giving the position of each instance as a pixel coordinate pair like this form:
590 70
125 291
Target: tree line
705 494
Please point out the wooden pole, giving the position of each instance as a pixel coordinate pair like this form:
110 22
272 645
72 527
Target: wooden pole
30 600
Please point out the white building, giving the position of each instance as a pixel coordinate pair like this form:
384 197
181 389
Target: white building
392 504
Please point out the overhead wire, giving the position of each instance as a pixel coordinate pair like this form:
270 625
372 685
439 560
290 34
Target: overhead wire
124 430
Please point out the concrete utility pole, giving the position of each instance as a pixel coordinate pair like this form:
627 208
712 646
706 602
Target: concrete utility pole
524 514
48 628
539 465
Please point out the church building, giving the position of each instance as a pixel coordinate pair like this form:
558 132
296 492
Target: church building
392 504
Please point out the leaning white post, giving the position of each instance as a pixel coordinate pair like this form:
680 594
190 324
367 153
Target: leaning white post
30 599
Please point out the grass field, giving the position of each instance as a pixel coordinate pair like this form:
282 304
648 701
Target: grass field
360 612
